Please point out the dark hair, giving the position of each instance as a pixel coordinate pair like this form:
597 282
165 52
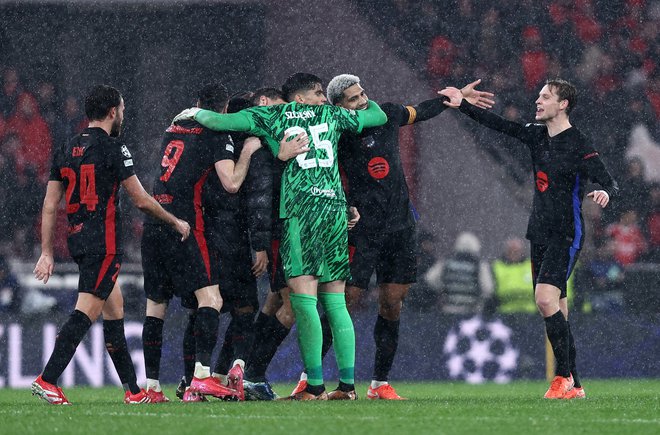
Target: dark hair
271 93
239 101
99 101
299 82
565 91
213 97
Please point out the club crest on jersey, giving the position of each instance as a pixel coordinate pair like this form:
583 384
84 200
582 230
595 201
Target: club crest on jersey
305 114
317 191
368 141
125 151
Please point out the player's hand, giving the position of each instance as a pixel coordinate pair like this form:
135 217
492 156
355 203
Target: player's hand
455 97
600 197
183 228
251 144
292 146
186 115
478 98
44 268
354 217
260 263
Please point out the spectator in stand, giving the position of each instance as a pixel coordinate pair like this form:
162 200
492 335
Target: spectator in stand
422 297
33 134
74 121
600 279
464 282
587 27
534 60
50 110
513 279
653 90
628 238
10 294
634 190
11 90
440 60
653 225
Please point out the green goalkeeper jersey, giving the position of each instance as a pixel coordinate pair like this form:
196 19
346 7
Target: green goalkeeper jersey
313 176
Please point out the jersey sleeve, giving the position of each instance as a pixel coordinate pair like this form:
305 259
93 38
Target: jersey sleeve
524 133
397 113
595 168
425 110
239 121
222 146
122 161
55 165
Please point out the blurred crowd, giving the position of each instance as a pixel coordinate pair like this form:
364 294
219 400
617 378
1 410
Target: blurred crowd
609 49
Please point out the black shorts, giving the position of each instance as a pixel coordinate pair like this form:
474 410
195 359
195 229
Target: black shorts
238 285
553 264
393 256
276 271
98 274
175 268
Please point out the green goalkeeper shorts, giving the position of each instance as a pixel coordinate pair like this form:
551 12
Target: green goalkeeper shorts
316 243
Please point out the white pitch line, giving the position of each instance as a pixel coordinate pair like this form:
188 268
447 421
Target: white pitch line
333 417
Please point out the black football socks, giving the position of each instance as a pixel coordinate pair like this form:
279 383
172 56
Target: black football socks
571 356
68 339
152 343
206 334
556 327
269 335
115 344
189 349
386 336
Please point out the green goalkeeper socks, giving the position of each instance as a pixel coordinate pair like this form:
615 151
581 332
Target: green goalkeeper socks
310 336
343 334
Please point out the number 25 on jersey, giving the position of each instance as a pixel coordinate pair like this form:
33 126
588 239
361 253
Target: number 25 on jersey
319 144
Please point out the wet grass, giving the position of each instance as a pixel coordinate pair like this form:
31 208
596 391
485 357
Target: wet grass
612 407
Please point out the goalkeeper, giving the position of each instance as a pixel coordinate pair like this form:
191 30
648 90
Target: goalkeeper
314 246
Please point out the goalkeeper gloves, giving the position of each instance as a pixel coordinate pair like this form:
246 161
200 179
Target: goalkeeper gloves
186 115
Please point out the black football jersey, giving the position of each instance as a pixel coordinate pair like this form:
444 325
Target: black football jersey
372 163
562 165
91 167
188 155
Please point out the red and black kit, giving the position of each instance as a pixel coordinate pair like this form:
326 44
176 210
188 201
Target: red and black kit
91 167
171 267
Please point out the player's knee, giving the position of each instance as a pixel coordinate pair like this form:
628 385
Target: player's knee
545 304
285 316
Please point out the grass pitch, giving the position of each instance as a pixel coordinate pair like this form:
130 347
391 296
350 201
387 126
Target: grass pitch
612 407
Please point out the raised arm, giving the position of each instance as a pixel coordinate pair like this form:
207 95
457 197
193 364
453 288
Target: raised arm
435 106
482 116
223 122
238 121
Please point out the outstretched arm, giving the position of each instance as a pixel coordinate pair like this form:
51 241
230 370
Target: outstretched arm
216 121
484 117
432 108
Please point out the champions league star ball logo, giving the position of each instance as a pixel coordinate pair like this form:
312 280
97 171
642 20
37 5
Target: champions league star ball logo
479 351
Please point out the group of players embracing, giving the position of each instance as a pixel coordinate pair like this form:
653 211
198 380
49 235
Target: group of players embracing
250 184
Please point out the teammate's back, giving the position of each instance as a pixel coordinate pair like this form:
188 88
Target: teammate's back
91 166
